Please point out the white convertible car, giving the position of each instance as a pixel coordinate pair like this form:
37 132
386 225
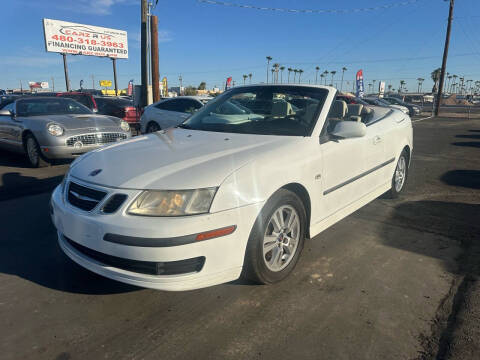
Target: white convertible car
234 190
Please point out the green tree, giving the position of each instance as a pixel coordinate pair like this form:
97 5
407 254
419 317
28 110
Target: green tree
202 86
190 91
435 75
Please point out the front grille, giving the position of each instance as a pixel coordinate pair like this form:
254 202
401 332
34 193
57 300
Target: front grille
114 203
143 267
96 138
83 197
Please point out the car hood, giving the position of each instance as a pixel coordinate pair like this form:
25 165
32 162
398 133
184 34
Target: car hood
174 159
81 121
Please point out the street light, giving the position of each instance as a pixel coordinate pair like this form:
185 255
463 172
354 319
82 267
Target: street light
269 58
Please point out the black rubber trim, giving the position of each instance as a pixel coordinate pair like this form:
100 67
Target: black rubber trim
156 242
336 187
144 267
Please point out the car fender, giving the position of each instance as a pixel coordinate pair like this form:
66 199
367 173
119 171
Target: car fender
255 182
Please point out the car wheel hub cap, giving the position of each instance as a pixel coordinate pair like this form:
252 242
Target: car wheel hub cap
400 174
281 238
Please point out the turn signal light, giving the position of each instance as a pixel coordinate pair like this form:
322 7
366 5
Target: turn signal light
216 233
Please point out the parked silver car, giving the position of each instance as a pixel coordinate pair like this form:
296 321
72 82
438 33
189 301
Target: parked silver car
47 128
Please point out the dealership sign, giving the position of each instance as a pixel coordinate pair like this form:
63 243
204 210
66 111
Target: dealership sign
71 38
38 84
106 83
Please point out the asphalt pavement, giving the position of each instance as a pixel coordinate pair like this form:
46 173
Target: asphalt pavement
398 279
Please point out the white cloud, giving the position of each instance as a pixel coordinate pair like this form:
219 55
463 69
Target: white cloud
97 7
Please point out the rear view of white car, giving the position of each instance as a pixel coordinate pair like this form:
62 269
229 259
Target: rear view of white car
169 113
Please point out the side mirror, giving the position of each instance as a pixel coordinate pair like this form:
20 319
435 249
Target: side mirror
349 129
4 112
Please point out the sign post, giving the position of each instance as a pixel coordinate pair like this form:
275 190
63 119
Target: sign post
65 69
114 62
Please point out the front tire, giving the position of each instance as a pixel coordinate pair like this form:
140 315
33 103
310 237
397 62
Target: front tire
399 176
152 127
276 240
34 153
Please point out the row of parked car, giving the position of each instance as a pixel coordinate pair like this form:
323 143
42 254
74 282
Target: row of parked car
63 125
67 124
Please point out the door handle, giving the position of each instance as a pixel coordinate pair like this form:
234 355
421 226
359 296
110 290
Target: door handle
377 139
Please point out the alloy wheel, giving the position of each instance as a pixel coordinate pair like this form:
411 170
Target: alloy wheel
400 174
281 238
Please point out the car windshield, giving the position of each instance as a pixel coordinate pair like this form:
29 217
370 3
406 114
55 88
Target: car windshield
262 110
50 106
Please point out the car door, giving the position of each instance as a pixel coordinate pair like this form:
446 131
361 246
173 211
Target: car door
374 155
175 112
343 165
11 129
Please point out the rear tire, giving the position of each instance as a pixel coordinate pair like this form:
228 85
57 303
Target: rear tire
400 175
276 240
34 153
152 127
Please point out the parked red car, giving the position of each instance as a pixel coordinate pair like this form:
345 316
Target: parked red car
82 97
119 107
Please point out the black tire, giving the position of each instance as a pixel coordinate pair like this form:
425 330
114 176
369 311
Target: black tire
34 153
255 262
395 190
152 127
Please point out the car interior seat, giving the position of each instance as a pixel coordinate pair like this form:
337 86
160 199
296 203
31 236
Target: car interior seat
281 109
354 111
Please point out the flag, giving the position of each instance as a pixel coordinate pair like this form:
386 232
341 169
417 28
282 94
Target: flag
360 88
130 88
228 84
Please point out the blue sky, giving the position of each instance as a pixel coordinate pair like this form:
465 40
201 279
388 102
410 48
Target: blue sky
209 42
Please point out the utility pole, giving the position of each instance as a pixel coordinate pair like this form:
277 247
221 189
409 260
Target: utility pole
180 79
154 54
93 81
53 83
445 56
144 55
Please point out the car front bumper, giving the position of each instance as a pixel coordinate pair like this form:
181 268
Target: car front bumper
82 236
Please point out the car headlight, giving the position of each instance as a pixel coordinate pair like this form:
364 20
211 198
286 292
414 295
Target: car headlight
55 129
124 125
173 203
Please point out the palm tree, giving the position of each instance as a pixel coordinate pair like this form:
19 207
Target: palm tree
389 87
322 75
295 71
289 71
435 75
299 76
343 72
449 81
273 72
402 84
282 68
244 79
250 76
325 73
370 88
374 85
316 73
420 82
333 74
276 66
269 58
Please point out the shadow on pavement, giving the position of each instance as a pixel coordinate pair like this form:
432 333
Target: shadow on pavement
12 159
474 137
445 220
474 130
14 185
464 178
475 144
29 250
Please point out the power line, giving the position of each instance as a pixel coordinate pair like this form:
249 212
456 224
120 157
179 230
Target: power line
310 11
